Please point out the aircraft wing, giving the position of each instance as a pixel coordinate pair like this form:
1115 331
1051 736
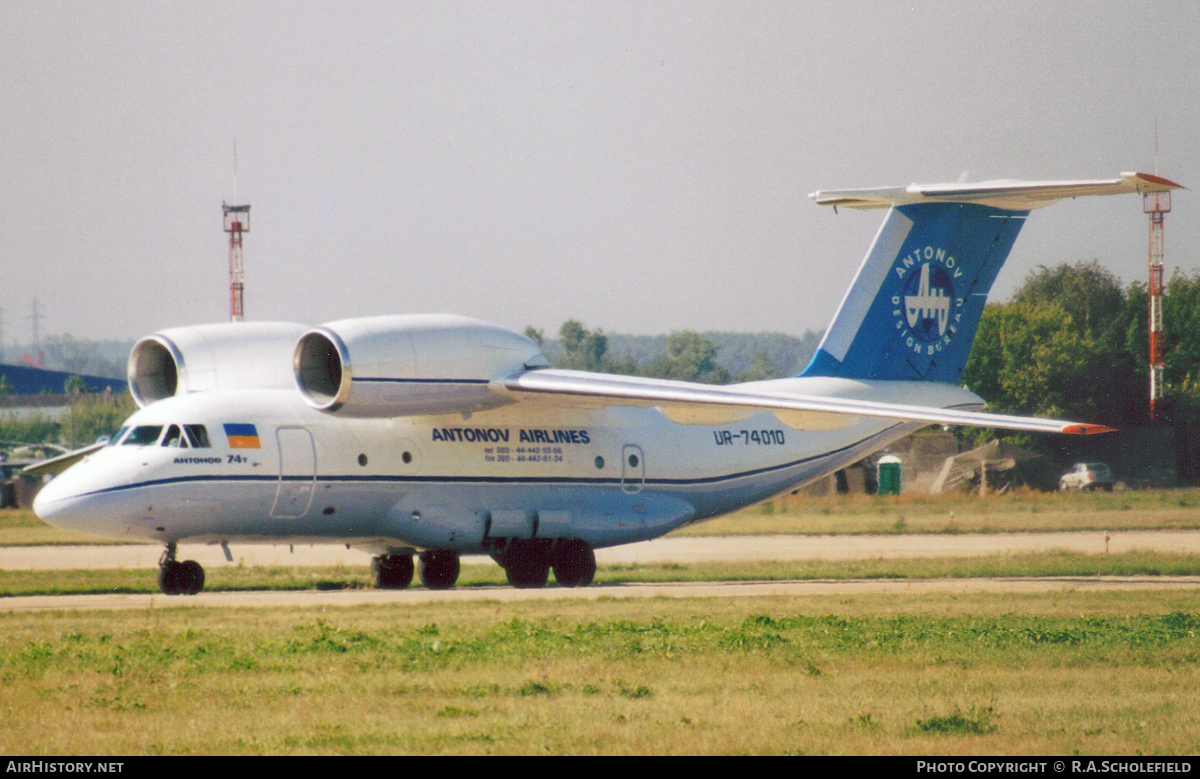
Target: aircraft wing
63 461
1015 195
683 400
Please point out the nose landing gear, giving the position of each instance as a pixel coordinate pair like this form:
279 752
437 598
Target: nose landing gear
176 578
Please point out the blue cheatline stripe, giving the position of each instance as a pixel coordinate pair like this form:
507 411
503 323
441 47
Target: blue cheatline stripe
494 479
423 381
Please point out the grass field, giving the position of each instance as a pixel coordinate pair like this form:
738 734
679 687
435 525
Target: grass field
1094 673
938 675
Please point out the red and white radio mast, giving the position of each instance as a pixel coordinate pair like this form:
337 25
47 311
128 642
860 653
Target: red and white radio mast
237 221
1155 205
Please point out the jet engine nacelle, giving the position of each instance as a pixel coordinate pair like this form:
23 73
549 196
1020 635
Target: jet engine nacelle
413 365
229 355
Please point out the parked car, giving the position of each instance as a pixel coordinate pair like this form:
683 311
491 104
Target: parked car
1087 476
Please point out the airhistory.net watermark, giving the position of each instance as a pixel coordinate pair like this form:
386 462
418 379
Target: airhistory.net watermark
61 767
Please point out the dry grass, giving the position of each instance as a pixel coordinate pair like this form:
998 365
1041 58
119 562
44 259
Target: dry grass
1021 511
1097 673
21 527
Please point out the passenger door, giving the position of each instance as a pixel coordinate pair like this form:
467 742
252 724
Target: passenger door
297 473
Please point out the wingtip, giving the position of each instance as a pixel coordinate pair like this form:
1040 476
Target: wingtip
1088 429
1151 178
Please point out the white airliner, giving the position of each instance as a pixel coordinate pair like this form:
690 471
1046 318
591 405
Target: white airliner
439 436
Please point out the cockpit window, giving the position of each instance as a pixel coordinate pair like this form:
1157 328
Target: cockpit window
198 435
174 437
143 435
116 437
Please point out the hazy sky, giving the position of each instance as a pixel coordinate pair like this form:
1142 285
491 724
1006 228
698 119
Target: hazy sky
642 167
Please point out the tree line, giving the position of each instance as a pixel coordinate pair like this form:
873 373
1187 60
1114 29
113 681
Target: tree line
708 358
1073 343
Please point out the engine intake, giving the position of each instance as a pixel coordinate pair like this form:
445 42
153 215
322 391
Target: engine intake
408 365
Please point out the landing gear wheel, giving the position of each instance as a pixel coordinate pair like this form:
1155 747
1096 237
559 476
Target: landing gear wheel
191 577
175 578
439 569
168 578
527 566
391 572
574 564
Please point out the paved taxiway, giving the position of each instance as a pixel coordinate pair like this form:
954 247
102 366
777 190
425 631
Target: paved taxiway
697 549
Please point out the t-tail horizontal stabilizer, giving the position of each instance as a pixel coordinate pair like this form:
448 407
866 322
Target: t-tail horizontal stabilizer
914 305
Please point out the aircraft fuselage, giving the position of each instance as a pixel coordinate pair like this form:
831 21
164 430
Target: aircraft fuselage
605 476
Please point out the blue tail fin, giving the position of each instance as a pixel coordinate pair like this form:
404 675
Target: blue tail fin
915 303
913 308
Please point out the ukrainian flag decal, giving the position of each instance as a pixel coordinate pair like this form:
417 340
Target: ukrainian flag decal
242 436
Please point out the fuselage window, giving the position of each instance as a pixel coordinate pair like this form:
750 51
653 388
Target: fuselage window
143 435
174 437
116 437
198 435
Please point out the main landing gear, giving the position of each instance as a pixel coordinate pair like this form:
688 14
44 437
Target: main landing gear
438 569
528 563
176 578
392 571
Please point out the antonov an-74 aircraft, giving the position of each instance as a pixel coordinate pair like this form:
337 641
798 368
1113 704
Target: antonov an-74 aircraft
439 436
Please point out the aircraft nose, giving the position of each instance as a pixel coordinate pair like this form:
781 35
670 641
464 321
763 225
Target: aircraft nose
57 502
88 497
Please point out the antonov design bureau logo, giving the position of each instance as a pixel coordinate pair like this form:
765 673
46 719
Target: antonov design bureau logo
926 311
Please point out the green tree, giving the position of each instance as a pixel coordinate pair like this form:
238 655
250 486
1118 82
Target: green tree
761 368
583 349
1031 359
689 357
535 335
1070 344
1181 328
1089 293
36 429
101 414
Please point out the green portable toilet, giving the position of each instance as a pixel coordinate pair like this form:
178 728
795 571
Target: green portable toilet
889 475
